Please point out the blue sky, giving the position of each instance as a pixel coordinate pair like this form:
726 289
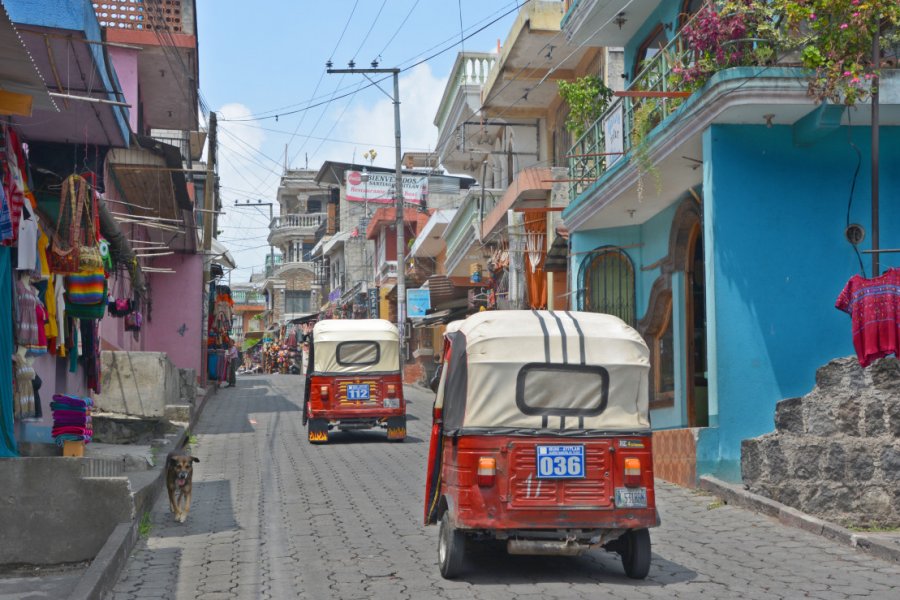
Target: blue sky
270 59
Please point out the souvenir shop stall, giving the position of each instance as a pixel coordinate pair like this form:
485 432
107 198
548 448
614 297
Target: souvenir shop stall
218 340
284 354
54 269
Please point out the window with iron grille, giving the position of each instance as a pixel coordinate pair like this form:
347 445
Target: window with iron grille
297 301
606 284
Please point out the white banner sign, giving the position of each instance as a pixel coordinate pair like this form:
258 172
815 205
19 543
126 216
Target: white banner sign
613 135
380 187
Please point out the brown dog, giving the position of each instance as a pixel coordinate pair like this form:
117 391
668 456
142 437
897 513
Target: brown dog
179 473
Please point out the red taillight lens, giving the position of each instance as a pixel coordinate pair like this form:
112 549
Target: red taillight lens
487 471
323 392
632 472
391 390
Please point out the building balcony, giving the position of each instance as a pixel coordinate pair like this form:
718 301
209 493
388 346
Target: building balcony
464 230
285 268
386 270
460 103
287 228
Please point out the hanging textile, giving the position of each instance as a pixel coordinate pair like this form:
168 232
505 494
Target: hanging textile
535 244
12 182
23 407
874 309
8 446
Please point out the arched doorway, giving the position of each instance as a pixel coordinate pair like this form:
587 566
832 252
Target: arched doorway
696 381
685 358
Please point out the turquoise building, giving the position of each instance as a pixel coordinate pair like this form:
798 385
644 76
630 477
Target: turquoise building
715 222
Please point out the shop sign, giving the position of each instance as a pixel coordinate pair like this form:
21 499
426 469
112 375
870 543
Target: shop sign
380 187
373 303
417 303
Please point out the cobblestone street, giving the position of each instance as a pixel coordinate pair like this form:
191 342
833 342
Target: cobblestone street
274 517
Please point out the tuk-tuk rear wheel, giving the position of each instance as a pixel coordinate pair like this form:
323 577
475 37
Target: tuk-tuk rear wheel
635 552
451 548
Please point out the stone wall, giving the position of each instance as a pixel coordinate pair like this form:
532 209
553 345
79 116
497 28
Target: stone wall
139 384
835 453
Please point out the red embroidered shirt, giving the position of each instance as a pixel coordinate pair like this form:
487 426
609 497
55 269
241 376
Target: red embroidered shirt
874 307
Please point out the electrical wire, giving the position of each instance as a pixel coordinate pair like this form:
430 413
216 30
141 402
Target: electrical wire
375 81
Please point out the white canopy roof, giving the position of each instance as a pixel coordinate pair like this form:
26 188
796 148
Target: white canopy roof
356 346
543 369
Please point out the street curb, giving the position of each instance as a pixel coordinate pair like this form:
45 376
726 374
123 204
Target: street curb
737 495
104 571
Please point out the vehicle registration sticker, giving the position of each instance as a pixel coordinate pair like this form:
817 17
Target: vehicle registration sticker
560 462
631 497
392 402
358 391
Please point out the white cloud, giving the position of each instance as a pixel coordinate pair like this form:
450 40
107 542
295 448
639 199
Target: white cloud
244 174
373 124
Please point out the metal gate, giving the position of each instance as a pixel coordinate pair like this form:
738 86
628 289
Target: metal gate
606 283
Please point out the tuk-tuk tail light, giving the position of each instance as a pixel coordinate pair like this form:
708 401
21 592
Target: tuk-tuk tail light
323 392
391 390
487 471
632 472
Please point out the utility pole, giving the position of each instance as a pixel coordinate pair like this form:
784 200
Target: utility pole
398 191
271 247
208 205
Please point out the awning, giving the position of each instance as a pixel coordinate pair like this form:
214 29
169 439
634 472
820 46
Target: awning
429 241
558 255
221 255
249 344
440 317
20 81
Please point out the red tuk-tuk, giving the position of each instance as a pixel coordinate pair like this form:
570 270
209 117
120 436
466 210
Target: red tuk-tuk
541 438
353 379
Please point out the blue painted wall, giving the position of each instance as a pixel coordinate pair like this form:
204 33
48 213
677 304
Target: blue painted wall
776 261
651 243
666 14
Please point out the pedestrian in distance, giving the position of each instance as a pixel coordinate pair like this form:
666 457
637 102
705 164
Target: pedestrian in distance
231 360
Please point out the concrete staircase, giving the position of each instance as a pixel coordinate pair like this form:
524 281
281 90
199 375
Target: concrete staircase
835 452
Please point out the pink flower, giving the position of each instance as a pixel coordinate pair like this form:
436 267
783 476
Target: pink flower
847 73
812 16
844 26
854 80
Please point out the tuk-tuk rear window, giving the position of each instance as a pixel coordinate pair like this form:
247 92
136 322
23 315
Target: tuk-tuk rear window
358 354
562 390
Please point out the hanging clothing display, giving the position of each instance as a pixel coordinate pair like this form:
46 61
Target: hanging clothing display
874 307
23 393
30 318
28 242
11 180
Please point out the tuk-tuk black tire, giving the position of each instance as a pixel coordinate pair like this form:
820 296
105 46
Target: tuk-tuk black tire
451 548
305 410
635 552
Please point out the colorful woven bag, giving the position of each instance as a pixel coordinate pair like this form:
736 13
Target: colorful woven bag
86 287
64 256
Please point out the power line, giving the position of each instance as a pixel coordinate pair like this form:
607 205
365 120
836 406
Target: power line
377 81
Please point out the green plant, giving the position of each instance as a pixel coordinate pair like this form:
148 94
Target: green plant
588 98
192 439
644 118
145 526
835 38
715 504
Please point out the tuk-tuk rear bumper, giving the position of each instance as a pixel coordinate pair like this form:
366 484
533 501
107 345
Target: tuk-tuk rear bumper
558 523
